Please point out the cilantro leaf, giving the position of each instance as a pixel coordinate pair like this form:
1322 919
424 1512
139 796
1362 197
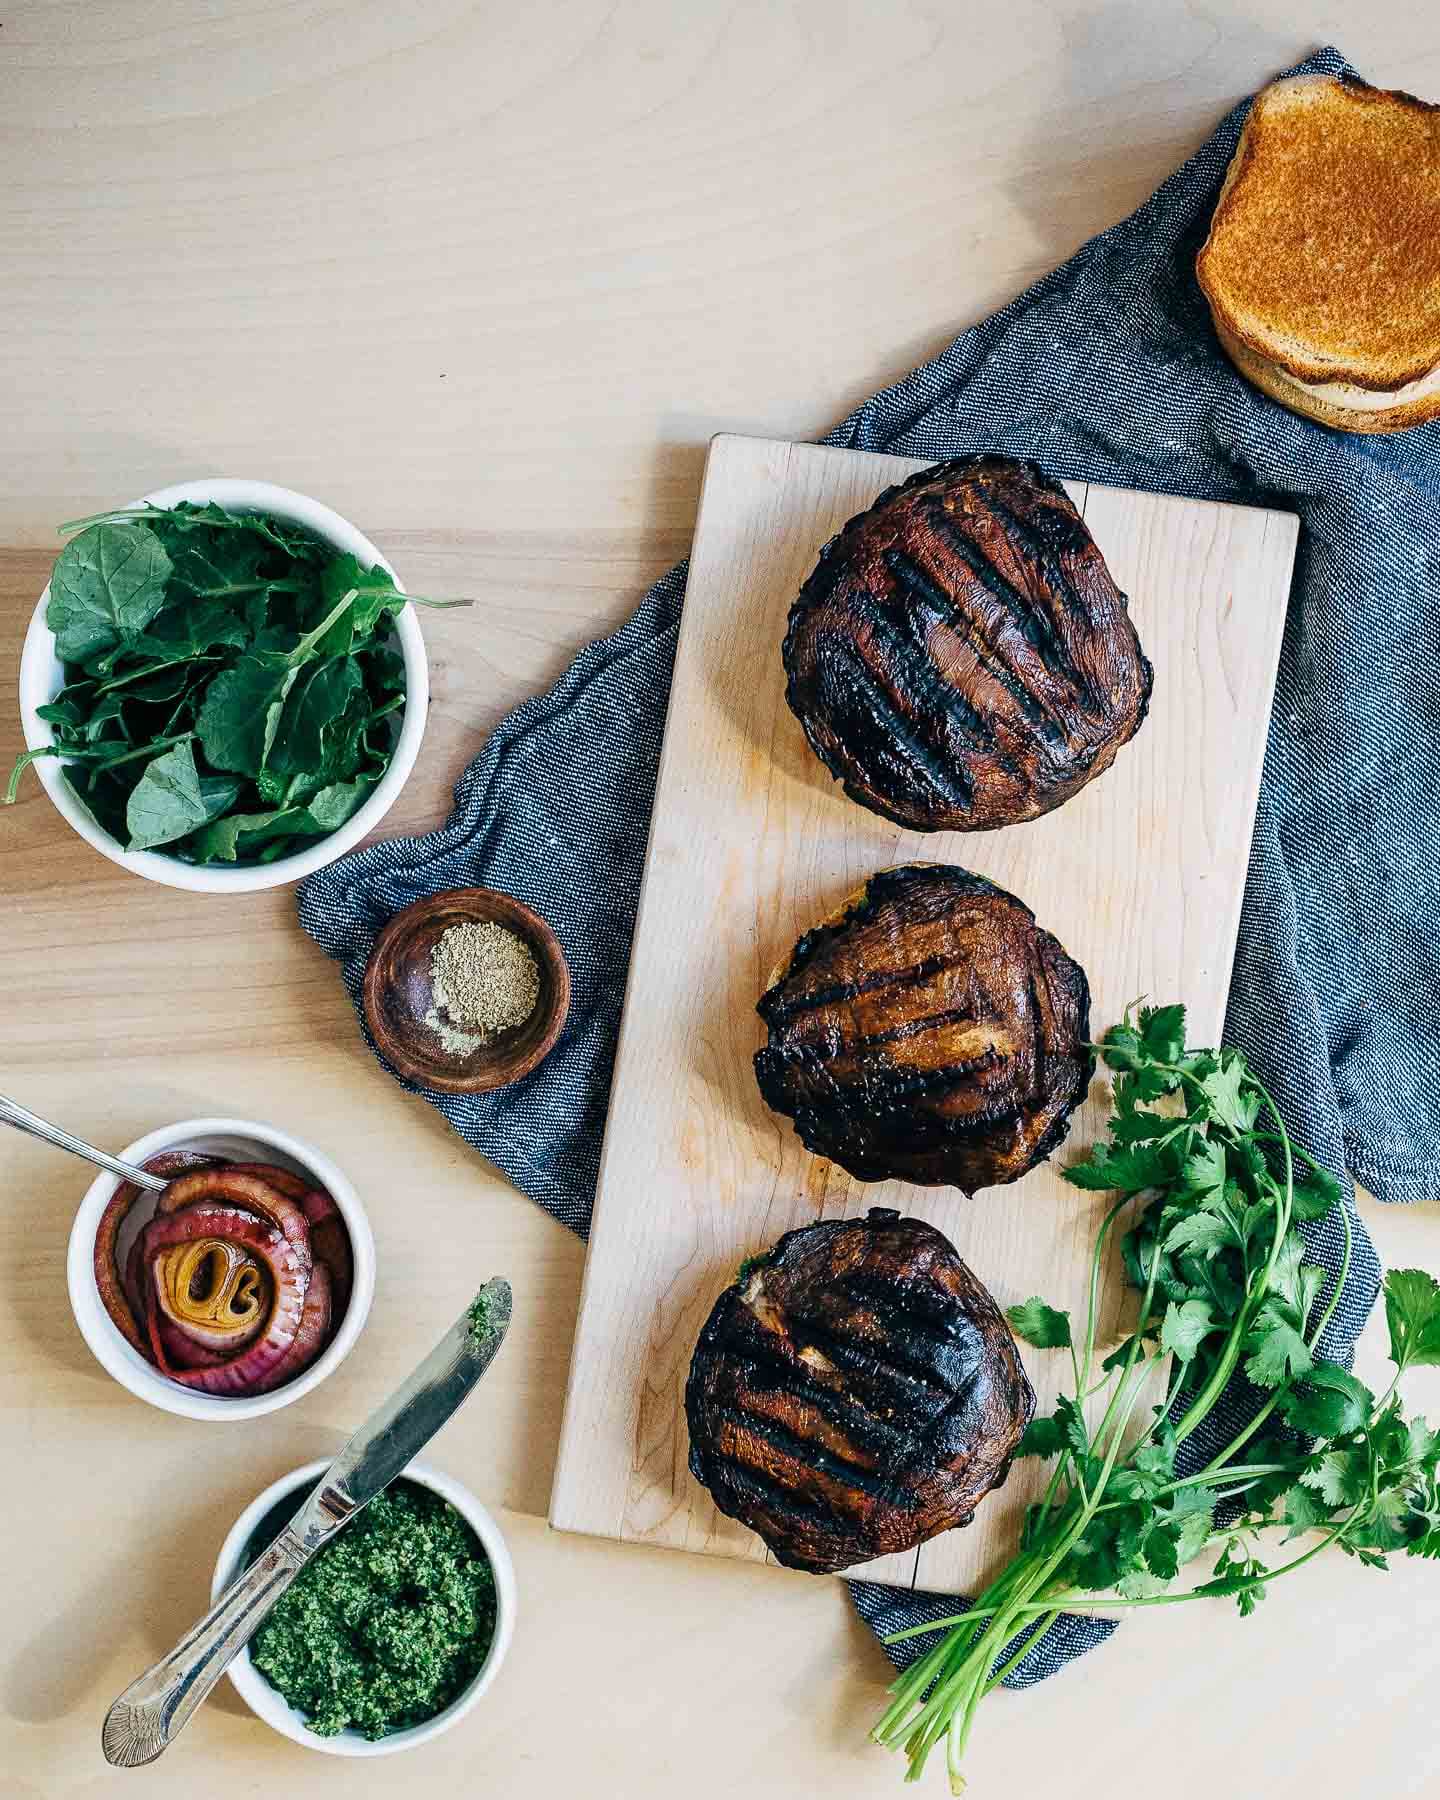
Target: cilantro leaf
1162 1033
1203 1171
1315 1192
1277 1352
1304 1510
1072 1423
1412 1311
1043 1436
1201 1233
1340 1476
1186 1326
1126 1169
1192 1510
1161 1553
1329 1403
1230 1094
1039 1324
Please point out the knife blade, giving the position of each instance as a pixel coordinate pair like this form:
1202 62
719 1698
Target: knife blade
154 1709
398 1431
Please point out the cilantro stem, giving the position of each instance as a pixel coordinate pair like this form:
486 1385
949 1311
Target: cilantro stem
1211 1165
1340 1279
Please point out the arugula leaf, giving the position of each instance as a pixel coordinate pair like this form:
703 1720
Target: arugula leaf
1330 1402
1412 1311
106 586
319 730
242 834
1039 1324
241 713
376 596
172 798
191 623
180 633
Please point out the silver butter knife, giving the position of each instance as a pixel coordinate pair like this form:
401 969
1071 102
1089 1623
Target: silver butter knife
153 1711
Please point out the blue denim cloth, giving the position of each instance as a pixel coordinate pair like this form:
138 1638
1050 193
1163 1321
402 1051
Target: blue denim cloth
1107 370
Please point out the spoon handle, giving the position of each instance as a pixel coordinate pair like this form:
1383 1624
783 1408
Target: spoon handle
12 1113
153 1710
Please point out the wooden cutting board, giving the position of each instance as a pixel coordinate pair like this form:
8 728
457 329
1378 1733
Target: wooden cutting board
1140 876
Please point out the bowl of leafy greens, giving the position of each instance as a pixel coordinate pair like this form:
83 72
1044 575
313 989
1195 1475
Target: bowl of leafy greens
223 687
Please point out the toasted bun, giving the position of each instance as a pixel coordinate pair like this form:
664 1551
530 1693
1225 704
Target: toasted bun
1322 267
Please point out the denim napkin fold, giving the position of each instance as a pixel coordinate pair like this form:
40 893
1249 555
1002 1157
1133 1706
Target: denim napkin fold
1107 370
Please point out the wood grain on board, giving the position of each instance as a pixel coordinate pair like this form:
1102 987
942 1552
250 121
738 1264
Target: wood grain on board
1140 876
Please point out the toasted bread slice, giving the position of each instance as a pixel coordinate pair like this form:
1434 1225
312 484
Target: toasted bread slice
1322 267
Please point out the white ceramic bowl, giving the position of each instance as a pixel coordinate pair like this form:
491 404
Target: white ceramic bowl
237 1140
42 675
266 1702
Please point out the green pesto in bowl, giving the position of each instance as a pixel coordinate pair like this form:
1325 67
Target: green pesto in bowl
386 1626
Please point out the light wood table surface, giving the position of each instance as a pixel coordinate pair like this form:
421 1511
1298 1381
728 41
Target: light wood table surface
500 271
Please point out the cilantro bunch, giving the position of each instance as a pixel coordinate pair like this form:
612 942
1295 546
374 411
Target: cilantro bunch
229 681
1215 1190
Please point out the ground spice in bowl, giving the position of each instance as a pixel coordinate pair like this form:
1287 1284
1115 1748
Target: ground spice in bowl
484 980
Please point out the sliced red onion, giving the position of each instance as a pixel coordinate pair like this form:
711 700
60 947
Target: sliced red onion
225 1187
329 1239
287 1263
293 1232
181 1351
330 1244
284 1181
119 1300
310 1339
223 1338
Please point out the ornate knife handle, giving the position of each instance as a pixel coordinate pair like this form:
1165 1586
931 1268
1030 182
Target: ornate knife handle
153 1710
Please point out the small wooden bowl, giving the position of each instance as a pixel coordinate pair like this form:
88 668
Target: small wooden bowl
397 994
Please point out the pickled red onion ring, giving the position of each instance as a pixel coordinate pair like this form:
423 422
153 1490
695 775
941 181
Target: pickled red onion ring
116 1295
287 1264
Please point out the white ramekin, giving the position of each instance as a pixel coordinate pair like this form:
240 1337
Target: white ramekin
237 1140
266 1702
42 675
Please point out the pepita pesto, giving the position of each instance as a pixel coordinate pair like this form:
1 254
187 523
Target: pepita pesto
386 1626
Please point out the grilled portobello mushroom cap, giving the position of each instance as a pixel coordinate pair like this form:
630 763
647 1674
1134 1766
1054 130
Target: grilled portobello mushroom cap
961 658
854 1392
930 1031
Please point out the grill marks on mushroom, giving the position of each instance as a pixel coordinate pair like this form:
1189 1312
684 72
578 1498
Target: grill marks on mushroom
929 1031
855 1393
961 658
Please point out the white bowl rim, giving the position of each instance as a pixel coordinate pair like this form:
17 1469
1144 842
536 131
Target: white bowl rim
120 1358
266 1702
37 689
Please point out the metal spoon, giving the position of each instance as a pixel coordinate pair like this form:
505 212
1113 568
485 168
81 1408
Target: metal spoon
12 1113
